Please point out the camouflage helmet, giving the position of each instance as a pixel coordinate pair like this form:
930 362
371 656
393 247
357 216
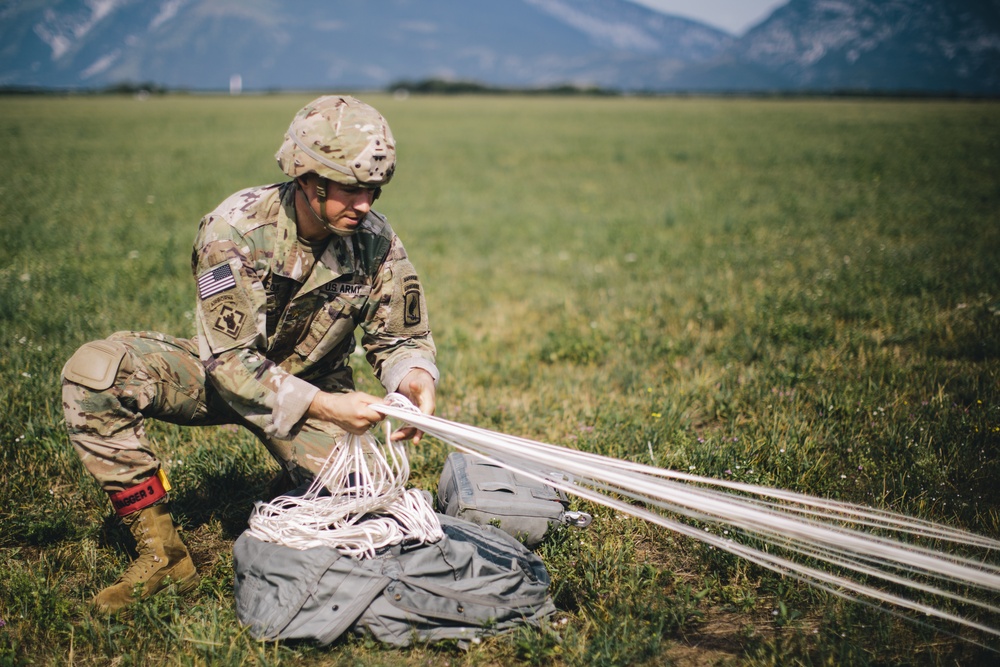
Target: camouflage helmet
340 138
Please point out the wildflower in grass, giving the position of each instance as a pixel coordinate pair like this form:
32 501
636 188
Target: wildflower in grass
656 415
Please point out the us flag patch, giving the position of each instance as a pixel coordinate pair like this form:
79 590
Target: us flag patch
216 280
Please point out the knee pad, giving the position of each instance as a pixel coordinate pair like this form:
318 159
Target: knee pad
95 365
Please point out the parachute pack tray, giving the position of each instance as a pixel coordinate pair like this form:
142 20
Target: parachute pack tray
482 492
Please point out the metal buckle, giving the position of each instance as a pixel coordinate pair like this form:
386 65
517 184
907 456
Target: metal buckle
577 519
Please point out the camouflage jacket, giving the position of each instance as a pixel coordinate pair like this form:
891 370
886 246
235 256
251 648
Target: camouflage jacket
276 318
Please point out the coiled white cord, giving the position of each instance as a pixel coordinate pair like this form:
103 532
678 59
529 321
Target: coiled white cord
357 503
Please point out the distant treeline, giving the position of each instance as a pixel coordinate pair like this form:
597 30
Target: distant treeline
444 87
425 87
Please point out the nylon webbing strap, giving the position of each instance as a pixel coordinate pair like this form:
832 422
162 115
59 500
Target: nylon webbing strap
138 497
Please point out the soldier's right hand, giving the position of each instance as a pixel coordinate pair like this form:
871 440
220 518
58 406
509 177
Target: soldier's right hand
351 411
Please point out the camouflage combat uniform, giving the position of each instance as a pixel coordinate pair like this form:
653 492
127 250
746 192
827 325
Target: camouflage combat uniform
276 320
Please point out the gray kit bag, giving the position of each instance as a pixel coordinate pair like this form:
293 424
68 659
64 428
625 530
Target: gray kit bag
475 581
484 493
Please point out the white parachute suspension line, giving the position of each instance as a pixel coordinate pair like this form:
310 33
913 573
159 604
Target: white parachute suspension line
357 503
851 538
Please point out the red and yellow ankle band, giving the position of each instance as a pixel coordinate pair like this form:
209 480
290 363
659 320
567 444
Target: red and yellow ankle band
141 495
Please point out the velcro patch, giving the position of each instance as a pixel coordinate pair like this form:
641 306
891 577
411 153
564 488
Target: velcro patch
406 314
347 289
215 280
226 314
411 301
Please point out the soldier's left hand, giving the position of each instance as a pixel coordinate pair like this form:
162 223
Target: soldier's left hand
418 386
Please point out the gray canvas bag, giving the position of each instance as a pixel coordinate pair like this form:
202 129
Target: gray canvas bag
482 492
473 582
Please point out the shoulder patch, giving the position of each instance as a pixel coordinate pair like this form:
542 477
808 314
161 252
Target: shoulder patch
411 301
217 279
407 311
226 311
226 315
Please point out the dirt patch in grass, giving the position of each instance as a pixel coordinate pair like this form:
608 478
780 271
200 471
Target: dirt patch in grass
717 640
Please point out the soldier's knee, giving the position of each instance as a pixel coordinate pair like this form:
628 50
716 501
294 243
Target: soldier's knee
95 365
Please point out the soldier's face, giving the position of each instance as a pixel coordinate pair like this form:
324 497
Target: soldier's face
347 206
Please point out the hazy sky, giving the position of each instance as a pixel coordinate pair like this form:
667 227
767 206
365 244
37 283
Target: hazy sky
733 16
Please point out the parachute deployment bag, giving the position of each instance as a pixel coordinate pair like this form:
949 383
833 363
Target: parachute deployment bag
473 582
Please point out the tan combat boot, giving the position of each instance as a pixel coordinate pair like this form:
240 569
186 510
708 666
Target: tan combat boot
163 560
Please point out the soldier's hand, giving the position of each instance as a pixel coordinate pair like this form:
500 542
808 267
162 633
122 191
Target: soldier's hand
351 411
418 386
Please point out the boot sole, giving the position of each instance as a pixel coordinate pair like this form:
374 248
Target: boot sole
186 585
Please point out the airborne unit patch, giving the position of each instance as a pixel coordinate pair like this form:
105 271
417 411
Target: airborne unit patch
411 301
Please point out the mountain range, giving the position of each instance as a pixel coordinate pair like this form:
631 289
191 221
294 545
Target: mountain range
930 46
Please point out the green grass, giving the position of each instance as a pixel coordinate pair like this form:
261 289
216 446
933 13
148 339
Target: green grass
798 293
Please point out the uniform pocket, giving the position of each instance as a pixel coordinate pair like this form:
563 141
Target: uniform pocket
331 326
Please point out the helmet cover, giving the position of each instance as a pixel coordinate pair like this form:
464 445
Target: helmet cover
340 138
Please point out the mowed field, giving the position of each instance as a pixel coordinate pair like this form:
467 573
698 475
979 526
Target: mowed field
802 294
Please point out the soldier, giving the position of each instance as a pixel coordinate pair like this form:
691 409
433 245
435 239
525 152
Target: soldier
284 274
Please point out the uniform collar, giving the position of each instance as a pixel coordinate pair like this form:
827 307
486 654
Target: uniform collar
289 256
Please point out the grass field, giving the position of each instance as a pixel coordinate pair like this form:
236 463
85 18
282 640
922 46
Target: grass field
797 293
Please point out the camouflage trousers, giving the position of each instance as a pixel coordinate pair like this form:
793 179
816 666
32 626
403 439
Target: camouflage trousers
159 377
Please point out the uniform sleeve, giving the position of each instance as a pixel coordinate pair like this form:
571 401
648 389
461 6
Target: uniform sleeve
231 320
397 336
